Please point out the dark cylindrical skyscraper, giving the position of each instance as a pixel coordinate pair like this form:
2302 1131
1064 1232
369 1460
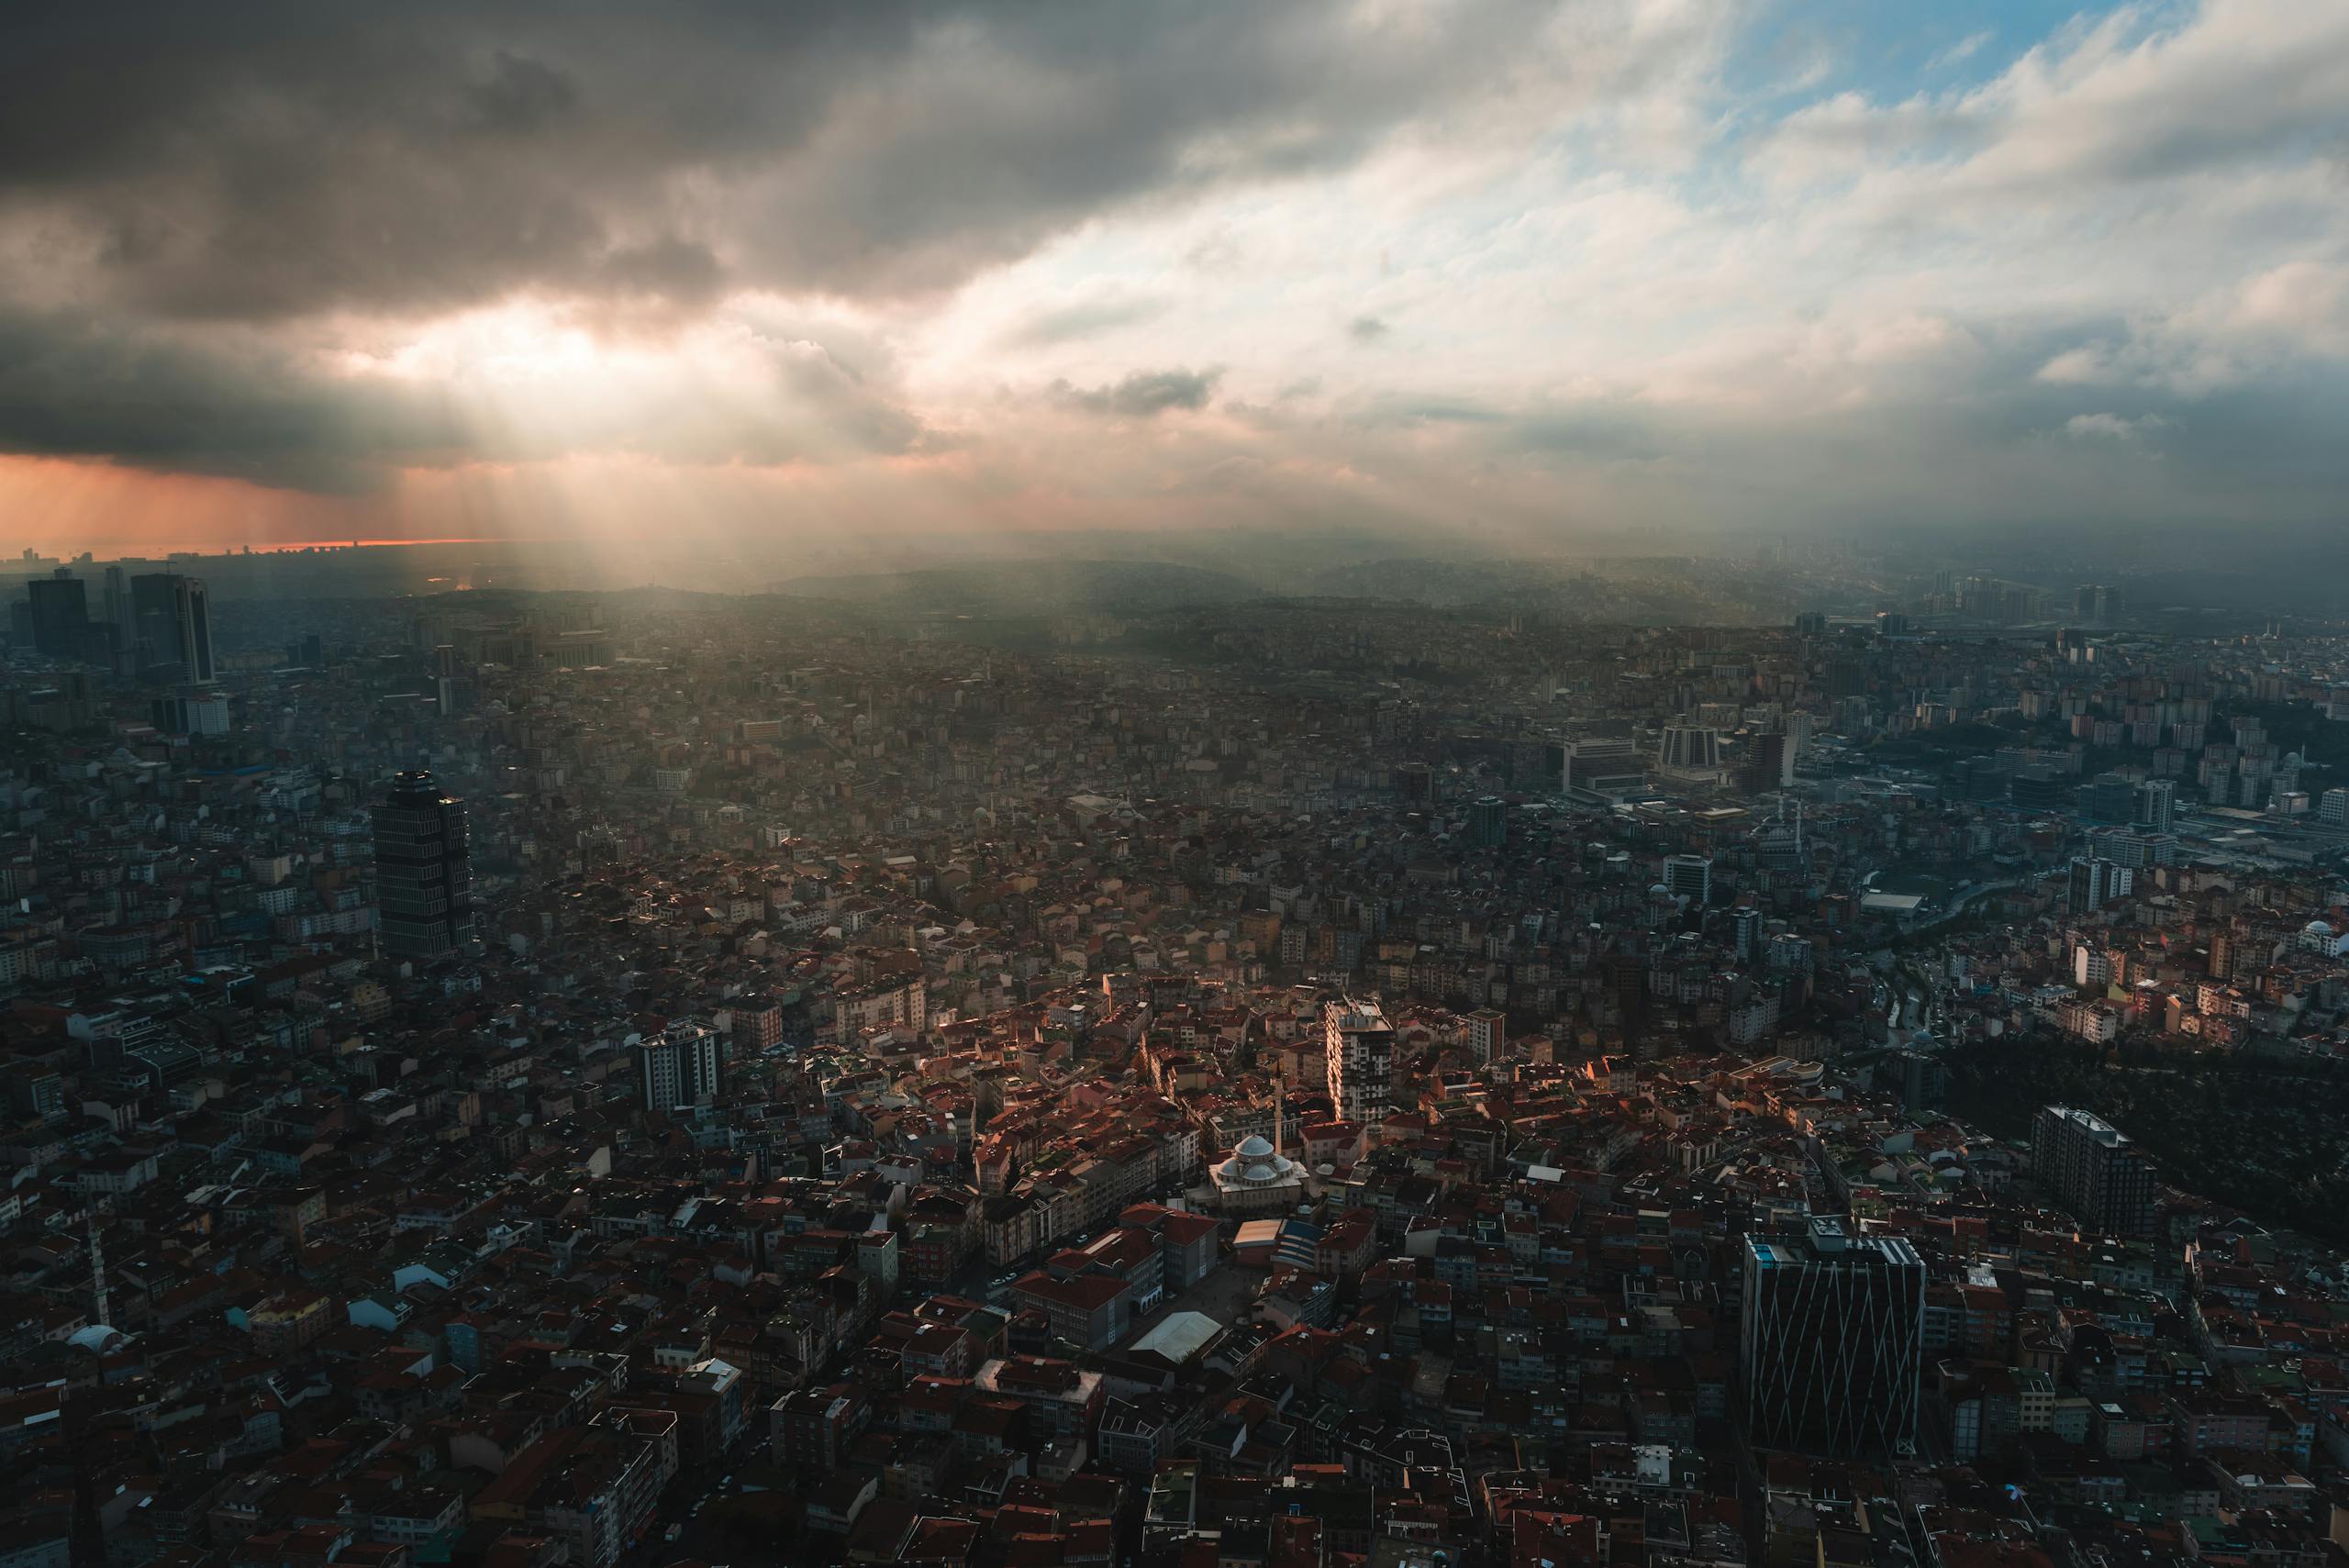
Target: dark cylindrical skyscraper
423 875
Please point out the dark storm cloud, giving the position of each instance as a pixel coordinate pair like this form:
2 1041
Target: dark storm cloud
164 401
679 270
1143 393
519 96
277 159
70 389
166 167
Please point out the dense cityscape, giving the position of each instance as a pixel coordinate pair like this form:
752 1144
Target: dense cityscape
1347 783
511 1076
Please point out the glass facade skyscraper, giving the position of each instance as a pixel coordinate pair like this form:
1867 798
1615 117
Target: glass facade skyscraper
423 872
1831 1344
171 634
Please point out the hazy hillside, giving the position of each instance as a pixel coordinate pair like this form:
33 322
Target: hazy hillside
1661 590
1029 587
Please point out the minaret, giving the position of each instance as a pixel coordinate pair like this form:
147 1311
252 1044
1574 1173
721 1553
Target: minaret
97 1268
1280 1117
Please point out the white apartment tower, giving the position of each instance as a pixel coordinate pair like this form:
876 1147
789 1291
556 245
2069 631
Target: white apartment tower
679 1066
1689 877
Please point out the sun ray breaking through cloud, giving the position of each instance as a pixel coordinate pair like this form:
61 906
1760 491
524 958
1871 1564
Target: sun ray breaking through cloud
731 277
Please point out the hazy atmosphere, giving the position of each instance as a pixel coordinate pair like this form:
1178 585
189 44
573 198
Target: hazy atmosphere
758 278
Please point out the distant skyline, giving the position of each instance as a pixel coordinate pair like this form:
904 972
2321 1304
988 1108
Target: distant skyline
163 548
723 276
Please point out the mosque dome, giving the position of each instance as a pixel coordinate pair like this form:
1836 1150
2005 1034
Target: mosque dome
1254 1163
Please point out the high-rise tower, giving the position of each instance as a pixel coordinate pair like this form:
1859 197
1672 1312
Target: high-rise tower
423 870
680 1067
2092 1169
61 615
2093 882
1768 763
170 628
1832 1342
1689 877
1359 1053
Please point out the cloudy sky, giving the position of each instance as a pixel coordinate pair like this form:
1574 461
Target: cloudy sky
285 270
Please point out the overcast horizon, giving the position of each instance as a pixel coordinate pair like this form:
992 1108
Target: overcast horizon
717 274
